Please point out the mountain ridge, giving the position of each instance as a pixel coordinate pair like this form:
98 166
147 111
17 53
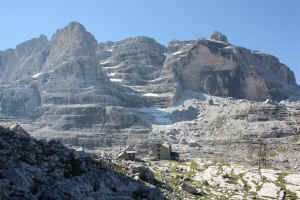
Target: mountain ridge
109 94
206 97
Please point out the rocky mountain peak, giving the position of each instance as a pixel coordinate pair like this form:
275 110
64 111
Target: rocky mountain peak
75 40
72 27
35 44
71 43
218 68
216 35
140 45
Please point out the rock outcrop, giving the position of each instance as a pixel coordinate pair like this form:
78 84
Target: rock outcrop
62 77
216 67
24 61
216 35
35 169
135 63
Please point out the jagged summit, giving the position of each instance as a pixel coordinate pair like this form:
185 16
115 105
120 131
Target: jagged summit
223 69
72 41
76 25
136 61
216 35
71 27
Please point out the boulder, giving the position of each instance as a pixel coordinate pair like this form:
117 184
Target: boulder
18 129
191 189
144 173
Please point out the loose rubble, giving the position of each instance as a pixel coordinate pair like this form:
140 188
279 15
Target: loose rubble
35 169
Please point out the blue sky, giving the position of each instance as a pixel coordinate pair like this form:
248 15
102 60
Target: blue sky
269 26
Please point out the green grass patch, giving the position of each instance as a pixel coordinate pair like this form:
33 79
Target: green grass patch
295 139
194 166
281 182
282 149
120 169
272 154
233 178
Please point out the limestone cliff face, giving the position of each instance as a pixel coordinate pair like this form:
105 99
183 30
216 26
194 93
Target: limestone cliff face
73 82
24 61
140 59
219 68
135 63
73 53
20 101
67 79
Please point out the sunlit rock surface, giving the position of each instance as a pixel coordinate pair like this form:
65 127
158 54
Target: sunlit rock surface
205 95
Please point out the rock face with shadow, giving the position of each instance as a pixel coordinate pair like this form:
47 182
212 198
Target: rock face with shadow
75 86
219 68
24 61
60 82
136 63
188 114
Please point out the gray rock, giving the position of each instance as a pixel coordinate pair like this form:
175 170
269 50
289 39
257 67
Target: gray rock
90 94
222 69
216 35
24 61
29 173
190 189
175 45
20 101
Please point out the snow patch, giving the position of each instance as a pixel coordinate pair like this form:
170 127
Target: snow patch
71 105
111 74
37 75
113 67
177 52
157 79
151 95
104 62
116 80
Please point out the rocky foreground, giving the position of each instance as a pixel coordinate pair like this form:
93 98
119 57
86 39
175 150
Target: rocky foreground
33 169
36 169
218 179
